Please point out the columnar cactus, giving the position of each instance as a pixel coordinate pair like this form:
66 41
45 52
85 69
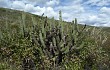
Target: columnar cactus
52 44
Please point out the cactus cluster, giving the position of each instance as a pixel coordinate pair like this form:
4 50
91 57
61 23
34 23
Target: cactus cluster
51 44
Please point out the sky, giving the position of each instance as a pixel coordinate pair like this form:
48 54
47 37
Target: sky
90 12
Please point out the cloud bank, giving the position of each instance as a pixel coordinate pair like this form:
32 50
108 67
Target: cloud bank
90 12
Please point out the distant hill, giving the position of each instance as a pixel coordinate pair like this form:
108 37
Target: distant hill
14 16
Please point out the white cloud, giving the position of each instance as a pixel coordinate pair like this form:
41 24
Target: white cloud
48 11
66 16
73 8
105 10
29 8
70 9
39 10
103 3
36 1
103 15
89 19
51 13
52 2
107 24
98 2
18 5
99 19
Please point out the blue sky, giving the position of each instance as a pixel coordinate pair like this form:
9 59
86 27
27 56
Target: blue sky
90 12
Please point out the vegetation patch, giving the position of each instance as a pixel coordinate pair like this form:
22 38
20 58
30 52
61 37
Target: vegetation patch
38 43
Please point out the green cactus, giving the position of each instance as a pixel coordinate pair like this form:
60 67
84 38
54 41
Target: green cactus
53 44
42 40
1 36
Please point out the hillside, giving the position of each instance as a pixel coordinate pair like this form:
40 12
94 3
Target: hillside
13 16
32 41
